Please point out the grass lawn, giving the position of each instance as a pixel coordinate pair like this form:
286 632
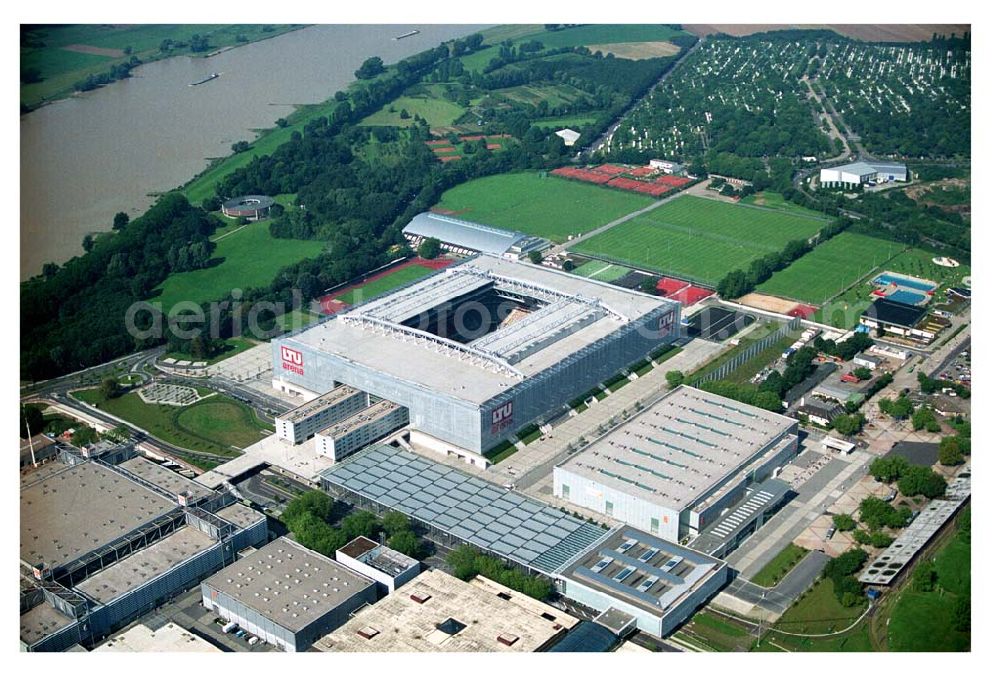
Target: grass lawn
844 309
215 424
772 200
234 346
819 611
60 67
775 570
601 271
296 319
427 101
396 278
716 632
921 621
251 258
546 206
698 238
831 267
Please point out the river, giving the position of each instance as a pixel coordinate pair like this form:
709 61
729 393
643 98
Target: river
87 157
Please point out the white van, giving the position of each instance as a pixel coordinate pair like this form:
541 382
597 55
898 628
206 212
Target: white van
229 627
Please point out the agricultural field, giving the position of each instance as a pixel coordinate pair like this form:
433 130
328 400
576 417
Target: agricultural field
249 257
898 98
699 239
540 205
831 267
215 424
64 55
844 309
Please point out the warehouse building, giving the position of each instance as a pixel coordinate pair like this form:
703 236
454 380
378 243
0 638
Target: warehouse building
860 173
287 594
103 544
667 167
388 568
458 508
468 238
660 583
440 613
480 350
168 638
361 429
679 464
304 421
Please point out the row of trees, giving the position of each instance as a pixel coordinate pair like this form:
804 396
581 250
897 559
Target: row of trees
117 72
912 480
467 562
308 518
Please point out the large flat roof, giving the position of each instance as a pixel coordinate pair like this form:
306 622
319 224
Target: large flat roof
679 448
240 515
370 334
314 406
144 565
80 508
170 637
504 522
166 479
402 622
475 236
288 584
40 622
645 571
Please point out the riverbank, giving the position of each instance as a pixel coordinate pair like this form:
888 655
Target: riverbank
62 56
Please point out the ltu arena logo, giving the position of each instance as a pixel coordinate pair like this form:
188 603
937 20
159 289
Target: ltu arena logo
666 323
291 360
503 416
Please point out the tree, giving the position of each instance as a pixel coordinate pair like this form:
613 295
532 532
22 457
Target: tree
316 503
568 265
371 68
849 424
842 522
407 543
395 522
30 75
923 481
88 242
648 284
961 614
240 146
121 220
675 378
84 435
110 388
863 373
923 419
888 469
430 248
535 256
32 420
360 523
950 451
119 434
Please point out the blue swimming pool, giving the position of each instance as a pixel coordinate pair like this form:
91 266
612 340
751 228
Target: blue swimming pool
911 298
886 279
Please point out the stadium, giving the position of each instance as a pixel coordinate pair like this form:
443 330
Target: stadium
480 350
252 207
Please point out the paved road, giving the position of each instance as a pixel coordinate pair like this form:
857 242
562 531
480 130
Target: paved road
790 588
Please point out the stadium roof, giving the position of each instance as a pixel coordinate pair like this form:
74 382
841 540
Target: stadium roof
580 313
438 612
81 508
504 522
680 448
891 312
288 584
465 234
642 570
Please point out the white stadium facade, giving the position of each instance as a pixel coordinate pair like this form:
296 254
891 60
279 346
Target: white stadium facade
479 350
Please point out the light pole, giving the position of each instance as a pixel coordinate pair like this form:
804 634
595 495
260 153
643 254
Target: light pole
31 443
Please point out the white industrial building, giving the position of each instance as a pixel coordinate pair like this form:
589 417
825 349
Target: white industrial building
569 136
387 567
674 468
361 429
286 594
660 584
667 167
860 173
306 420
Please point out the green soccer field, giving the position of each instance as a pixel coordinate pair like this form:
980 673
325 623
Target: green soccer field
601 271
700 239
831 267
546 206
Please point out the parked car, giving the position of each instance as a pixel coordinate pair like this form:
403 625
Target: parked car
830 532
254 640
